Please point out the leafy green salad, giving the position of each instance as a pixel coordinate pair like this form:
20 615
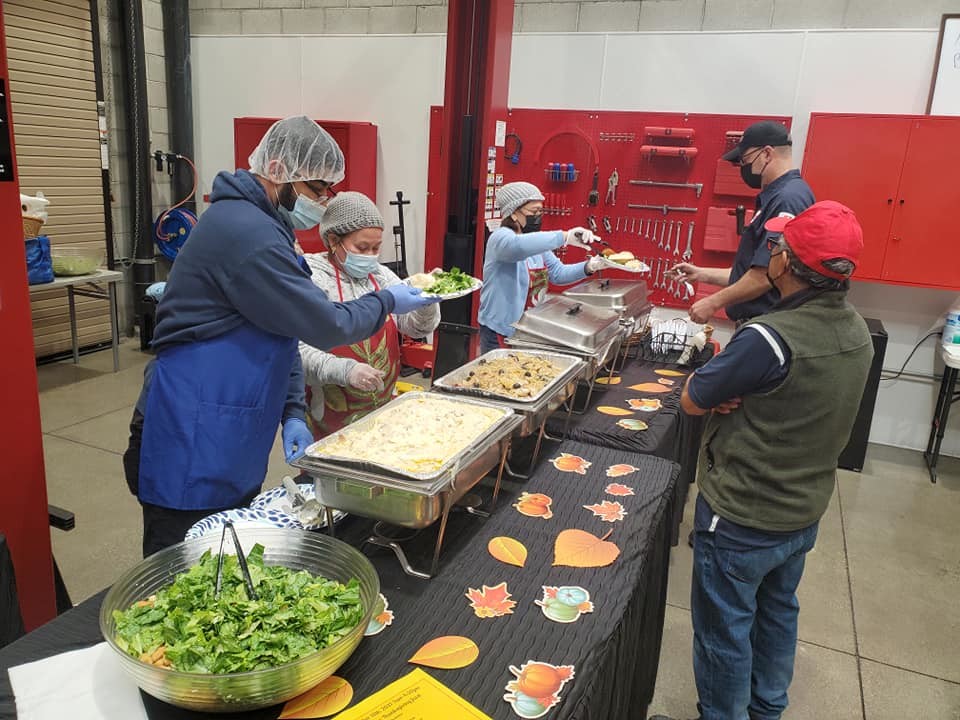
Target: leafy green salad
185 628
447 283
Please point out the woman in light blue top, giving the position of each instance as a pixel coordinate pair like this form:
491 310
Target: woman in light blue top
519 262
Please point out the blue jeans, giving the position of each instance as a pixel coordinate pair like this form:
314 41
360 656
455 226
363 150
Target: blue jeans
744 607
489 340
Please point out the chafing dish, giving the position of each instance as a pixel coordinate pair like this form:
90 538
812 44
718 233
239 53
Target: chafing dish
627 297
563 322
535 410
413 501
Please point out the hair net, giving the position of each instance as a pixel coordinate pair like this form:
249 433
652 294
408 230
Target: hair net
516 194
303 149
347 212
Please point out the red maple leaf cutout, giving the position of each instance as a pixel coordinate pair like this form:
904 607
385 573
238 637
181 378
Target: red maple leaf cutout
491 601
608 511
619 489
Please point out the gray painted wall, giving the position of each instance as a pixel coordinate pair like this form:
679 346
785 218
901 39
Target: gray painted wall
307 17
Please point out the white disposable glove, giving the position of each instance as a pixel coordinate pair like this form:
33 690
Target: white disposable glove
363 377
594 263
580 237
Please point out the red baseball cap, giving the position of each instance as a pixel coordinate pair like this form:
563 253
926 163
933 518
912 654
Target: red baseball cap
824 231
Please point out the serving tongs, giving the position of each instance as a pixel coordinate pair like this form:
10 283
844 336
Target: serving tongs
241 558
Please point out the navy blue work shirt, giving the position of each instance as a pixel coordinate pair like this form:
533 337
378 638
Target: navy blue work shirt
789 193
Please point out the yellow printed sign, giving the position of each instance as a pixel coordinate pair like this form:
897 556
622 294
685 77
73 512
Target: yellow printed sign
415 696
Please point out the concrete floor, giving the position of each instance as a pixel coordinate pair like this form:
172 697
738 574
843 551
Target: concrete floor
879 627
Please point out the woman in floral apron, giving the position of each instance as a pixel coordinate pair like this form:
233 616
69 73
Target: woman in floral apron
350 381
520 264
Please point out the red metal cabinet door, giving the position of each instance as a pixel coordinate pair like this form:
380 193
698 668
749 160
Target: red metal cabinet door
857 160
922 249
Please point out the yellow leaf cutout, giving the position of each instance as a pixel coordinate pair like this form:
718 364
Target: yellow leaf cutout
670 373
577 548
328 698
650 388
508 550
607 380
610 410
447 653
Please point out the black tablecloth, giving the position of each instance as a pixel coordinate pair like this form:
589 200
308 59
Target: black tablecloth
672 434
615 649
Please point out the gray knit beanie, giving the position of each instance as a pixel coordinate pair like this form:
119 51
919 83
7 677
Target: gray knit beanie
516 194
347 212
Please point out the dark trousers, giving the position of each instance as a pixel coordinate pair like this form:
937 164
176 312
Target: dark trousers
162 527
489 340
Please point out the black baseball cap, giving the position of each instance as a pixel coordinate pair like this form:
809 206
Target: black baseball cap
760 134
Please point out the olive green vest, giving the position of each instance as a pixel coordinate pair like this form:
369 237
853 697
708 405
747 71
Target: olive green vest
771 463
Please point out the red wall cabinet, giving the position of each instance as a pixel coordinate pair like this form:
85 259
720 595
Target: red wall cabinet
358 140
900 174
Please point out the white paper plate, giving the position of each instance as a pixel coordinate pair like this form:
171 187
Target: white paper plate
477 284
240 517
617 266
275 501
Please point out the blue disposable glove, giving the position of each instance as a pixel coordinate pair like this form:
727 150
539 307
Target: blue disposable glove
296 438
407 299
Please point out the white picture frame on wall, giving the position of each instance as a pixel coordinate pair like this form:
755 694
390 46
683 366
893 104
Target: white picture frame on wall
944 97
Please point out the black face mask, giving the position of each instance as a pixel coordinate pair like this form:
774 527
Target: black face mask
533 224
752 179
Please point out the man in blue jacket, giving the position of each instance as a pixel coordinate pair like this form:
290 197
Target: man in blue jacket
227 371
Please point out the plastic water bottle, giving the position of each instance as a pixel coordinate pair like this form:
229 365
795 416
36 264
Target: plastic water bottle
951 327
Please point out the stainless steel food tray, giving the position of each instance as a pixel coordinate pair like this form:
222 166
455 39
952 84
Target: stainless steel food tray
569 367
443 474
402 501
563 322
595 359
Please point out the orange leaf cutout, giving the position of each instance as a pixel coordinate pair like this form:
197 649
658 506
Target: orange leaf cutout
328 698
447 653
608 380
618 489
577 548
571 463
608 511
620 470
609 410
491 601
508 550
645 404
670 373
650 388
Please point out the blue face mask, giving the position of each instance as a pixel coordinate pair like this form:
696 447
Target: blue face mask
306 213
359 266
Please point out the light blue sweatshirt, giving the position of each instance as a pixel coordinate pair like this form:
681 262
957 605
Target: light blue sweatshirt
506 279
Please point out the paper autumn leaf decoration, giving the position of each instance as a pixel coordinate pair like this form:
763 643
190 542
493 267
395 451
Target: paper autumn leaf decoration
571 463
609 380
536 688
632 424
534 505
508 550
650 388
618 489
645 404
382 617
608 511
328 698
447 653
670 373
620 470
577 548
491 601
667 383
610 410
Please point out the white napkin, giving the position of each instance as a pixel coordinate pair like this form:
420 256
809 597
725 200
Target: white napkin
86 684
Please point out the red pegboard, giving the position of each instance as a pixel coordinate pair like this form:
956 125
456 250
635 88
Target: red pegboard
611 140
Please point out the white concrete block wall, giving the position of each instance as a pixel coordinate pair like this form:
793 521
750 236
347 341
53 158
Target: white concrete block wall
337 17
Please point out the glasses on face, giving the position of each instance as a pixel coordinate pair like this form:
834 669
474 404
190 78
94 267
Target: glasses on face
322 193
776 245
743 158
537 214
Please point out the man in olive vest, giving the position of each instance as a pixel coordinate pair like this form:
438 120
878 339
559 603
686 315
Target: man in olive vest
783 394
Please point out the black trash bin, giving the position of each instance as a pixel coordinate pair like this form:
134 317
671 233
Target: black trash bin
855 452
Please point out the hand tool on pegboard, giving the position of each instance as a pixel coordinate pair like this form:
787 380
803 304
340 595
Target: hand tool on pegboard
669 235
592 224
594 197
656 226
697 187
688 253
607 226
663 232
662 208
646 233
612 182
676 246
